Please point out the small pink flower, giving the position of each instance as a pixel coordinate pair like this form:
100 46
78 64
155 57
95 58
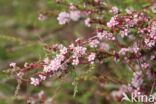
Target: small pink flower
46 68
46 60
26 64
71 46
137 80
34 81
42 17
129 11
75 61
41 94
63 18
88 22
78 40
91 57
124 33
13 65
94 43
72 6
60 57
100 35
63 50
113 22
145 65
79 51
75 15
55 65
105 35
123 51
42 77
114 10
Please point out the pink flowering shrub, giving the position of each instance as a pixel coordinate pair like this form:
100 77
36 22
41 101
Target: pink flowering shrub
127 38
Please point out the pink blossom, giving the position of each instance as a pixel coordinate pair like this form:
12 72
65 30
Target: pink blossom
145 65
75 61
42 17
72 6
91 57
63 18
129 11
138 17
129 22
137 79
114 10
60 57
42 77
109 36
46 60
55 65
63 50
46 68
78 40
88 22
13 65
152 57
124 33
34 81
136 92
105 35
149 42
135 49
113 22
123 51
79 51
75 15
101 35
71 46
41 94
94 43
26 64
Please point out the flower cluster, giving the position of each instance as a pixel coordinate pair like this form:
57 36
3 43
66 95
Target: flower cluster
129 37
65 17
114 10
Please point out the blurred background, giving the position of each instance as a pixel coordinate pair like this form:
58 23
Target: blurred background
22 37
